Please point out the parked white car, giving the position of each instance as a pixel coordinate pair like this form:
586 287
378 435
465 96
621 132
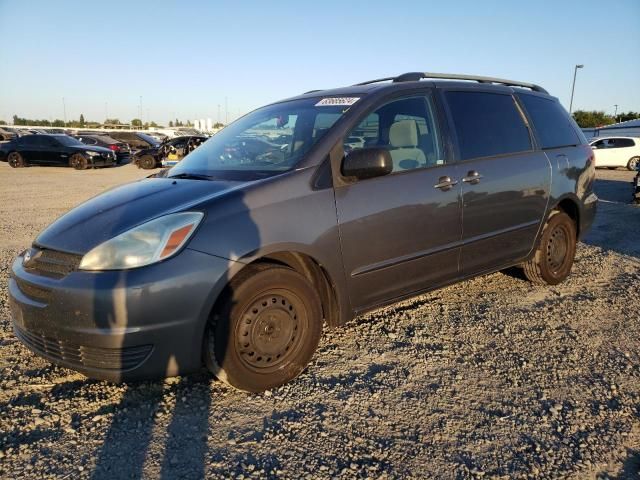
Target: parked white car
614 152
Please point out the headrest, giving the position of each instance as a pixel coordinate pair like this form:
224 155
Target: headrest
404 133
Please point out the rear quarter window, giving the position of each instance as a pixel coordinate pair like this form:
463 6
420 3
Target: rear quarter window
552 123
487 124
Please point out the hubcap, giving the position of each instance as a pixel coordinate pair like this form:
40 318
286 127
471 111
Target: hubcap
557 248
633 163
269 332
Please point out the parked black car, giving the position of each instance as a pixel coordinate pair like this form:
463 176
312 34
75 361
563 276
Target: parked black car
238 262
135 140
38 149
168 153
121 149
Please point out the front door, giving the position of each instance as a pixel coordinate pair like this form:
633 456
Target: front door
505 182
400 233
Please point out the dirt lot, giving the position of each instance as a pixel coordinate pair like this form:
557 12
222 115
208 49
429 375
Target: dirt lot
493 378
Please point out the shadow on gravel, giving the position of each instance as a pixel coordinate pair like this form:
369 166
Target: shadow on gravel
125 445
630 468
619 191
616 228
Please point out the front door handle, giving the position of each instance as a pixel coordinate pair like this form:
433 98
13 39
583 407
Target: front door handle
472 177
445 183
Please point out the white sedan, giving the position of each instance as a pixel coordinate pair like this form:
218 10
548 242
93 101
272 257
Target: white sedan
615 152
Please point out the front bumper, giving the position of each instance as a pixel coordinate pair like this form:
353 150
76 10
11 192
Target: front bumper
119 325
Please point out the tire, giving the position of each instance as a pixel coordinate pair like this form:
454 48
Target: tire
265 329
556 249
78 162
147 162
633 163
16 160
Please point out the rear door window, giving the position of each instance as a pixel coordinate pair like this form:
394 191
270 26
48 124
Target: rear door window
487 124
623 143
551 121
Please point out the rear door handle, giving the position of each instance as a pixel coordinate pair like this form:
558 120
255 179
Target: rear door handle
445 183
472 177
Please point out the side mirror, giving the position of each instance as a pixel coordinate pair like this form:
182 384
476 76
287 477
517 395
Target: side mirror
367 163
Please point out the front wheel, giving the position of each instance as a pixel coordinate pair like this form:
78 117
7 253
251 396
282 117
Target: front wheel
265 330
147 162
78 162
633 163
16 160
556 249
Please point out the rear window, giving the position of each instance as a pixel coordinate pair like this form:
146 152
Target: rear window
551 121
487 124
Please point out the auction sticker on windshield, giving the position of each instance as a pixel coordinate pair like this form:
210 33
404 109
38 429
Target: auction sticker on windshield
333 101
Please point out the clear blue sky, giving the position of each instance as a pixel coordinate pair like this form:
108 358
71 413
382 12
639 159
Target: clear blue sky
185 57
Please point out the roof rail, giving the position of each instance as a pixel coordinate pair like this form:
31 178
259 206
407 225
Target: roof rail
312 91
415 76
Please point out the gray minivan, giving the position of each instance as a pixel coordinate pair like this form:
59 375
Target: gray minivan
281 223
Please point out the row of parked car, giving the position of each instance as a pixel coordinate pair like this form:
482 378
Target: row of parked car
87 149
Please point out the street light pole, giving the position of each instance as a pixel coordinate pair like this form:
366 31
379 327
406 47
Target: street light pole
615 115
64 110
573 86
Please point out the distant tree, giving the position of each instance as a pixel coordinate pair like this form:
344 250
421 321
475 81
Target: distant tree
218 125
112 121
170 123
2 122
625 117
136 122
592 118
57 123
154 124
82 120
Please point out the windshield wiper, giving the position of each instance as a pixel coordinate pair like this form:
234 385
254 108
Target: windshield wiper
191 176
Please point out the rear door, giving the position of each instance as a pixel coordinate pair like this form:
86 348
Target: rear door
30 147
400 233
505 181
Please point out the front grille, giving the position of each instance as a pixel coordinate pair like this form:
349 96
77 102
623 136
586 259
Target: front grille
82 356
52 263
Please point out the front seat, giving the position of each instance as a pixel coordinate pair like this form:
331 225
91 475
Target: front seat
403 137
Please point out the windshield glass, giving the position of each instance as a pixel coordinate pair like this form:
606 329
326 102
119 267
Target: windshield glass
149 139
265 142
68 141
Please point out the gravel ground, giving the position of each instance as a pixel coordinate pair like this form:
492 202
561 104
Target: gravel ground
493 377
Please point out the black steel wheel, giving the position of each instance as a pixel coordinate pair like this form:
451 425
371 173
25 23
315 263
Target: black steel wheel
16 160
265 330
147 162
553 257
78 161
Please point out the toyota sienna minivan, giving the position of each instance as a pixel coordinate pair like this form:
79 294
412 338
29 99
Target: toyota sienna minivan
281 225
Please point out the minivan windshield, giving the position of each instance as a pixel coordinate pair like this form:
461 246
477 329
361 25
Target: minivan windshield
265 142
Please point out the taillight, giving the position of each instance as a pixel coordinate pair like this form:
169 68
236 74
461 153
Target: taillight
115 148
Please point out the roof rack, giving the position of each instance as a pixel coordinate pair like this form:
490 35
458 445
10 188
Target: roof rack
415 76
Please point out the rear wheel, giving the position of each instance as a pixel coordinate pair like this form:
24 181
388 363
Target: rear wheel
555 252
633 163
147 162
266 329
78 162
16 160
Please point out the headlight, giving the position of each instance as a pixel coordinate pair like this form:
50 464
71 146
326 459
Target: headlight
92 154
145 244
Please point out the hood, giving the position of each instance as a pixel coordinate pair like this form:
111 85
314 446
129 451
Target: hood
122 208
90 148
